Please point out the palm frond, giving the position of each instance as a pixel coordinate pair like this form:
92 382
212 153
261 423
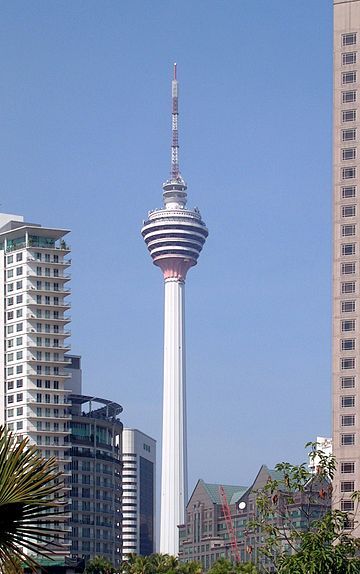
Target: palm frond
27 503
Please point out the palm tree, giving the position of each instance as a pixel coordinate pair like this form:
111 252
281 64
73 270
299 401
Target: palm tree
27 487
99 565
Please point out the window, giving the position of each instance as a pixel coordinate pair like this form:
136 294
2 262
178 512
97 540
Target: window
10 273
19 397
347 486
348 210
348 153
348 325
19 425
348 268
348 344
348 287
347 505
19 271
19 383
10 385
19 256
348 58
348 172
56 384
19 299
18 284
47 298
19 369
349 97
19 411
348 249
348 39
10 259
47 398
19 327
347 439
348 78
347 230
47 384
47 255
19 355
348 401
348 420
347 467
47 271
10 399
39 383
38 271
347 382
349 135
10 413
347 363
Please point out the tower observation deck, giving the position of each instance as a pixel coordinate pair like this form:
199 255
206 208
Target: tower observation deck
175 237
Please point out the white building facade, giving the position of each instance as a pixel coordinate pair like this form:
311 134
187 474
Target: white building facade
139 493
34 295
346 265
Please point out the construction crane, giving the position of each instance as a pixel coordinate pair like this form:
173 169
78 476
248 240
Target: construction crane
229 525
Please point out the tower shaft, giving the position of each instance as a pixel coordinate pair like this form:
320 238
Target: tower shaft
174 449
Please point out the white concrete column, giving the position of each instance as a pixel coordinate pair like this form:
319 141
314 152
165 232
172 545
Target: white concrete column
174 451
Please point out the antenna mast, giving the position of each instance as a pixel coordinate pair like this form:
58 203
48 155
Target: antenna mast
175 173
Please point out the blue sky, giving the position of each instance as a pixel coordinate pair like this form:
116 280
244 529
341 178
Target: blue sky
85 136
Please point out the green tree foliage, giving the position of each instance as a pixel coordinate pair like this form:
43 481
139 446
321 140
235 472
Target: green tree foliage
26 498
158 564
224 566
321 544
99 565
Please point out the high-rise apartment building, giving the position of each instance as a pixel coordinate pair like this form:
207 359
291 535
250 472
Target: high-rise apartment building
346 245
33 393
139 485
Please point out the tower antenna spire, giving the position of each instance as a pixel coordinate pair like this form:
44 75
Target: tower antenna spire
175 171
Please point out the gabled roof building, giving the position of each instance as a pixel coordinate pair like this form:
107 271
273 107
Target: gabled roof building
205 538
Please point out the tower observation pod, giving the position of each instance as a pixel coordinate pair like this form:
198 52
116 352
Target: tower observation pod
175 236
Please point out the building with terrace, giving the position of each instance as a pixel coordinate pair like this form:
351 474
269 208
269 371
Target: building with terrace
96 477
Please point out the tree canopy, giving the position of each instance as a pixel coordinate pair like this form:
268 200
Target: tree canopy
324 543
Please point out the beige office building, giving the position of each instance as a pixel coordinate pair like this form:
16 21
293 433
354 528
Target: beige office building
346 266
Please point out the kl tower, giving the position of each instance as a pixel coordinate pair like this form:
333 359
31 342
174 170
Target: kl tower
175 236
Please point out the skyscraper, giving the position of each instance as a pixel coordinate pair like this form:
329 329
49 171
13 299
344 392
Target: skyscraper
175 237
346 264
138 501
33 321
